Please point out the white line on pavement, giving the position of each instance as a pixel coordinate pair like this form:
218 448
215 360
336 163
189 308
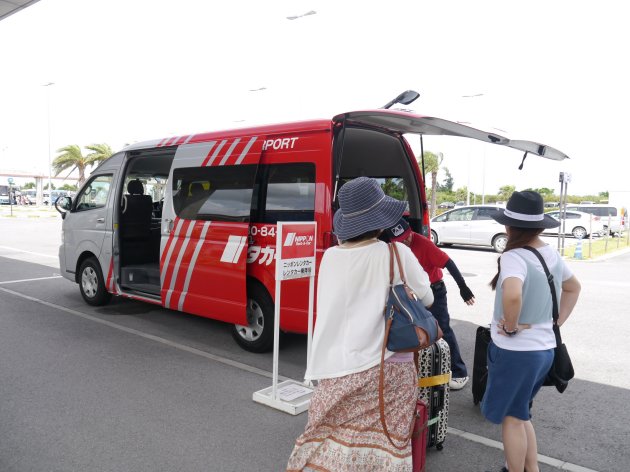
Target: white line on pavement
30 280
182 347
28 252
560 464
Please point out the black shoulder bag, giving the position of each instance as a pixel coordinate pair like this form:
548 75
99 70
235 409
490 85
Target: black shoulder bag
562 369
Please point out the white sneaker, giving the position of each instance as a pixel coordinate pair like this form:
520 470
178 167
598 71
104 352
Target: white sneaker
458 383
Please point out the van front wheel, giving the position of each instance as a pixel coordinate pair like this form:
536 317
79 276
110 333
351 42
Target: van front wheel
257 335
92 284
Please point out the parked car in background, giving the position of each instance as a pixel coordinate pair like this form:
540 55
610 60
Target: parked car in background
469 225
446 205
55 196
552 204
579 224
460 204
617 215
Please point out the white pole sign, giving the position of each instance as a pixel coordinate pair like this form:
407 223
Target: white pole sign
295 258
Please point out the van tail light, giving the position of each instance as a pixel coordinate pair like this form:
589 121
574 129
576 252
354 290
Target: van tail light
425 219
330 240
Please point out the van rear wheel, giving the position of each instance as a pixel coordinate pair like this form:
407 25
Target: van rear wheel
257 335
92 284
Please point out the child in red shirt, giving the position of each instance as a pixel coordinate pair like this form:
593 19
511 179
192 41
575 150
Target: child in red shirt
433 260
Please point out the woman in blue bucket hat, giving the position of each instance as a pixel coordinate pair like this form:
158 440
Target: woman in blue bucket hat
344 431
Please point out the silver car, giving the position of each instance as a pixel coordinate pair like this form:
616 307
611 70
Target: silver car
579 224
470 225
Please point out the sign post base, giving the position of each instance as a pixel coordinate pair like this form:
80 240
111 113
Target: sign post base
293 397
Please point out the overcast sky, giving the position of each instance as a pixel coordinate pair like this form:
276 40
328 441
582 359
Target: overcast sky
125 71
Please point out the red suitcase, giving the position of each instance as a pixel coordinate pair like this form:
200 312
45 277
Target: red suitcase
419 437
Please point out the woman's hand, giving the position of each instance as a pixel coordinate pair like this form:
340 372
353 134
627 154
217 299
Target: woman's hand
502 328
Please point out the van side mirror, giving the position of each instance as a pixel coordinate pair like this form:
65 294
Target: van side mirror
63 204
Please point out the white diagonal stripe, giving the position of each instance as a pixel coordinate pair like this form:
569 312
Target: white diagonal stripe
246 150
216 152
229 151
191 266
233 245
178 227
239 249
197 151
178 262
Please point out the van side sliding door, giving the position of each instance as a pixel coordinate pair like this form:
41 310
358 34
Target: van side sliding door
205 226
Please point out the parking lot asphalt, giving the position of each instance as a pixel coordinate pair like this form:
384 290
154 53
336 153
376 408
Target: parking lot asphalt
131 386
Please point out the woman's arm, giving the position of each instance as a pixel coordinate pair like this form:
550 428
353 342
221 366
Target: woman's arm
570 293
512 302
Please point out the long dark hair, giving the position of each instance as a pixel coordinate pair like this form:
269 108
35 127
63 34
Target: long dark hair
518 237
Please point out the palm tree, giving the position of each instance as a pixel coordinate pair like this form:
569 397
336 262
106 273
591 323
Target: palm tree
99 153
432 163
72 157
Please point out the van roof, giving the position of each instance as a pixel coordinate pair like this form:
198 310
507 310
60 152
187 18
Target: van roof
393 121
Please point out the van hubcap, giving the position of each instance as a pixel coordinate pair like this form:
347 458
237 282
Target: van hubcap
255 322
89 281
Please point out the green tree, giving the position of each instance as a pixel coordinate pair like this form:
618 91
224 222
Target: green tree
72 188
506 192
71 157
461 194
100 152
447 186
432 164
28 185
52 185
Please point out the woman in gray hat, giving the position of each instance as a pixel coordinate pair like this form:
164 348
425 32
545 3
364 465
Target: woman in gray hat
344 430
523 342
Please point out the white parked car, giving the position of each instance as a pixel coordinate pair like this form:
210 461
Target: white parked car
470 225
607 213
579 224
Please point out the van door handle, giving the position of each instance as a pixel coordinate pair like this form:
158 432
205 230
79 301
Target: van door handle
169 225
100 220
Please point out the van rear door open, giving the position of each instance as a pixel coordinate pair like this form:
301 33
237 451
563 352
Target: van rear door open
403 122
205 227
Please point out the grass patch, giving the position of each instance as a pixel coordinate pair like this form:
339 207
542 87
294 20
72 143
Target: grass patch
598 247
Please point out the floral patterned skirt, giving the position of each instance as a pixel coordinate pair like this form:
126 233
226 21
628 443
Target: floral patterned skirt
344 431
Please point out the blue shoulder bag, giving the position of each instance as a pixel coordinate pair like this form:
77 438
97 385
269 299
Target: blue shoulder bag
409 325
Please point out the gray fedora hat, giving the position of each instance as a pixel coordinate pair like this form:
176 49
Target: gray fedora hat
363 207
525 210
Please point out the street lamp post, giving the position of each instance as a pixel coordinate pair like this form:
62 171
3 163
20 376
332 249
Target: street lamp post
50 202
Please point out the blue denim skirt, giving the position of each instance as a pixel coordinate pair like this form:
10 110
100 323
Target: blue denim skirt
514 378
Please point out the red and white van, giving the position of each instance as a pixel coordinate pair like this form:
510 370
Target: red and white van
189 222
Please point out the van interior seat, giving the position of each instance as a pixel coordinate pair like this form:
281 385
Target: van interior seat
137 212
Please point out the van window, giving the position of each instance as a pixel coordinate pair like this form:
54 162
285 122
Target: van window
219 193
289 193
94 194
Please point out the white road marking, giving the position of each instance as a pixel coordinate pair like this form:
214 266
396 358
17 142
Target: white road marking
558 463
166 342
30 280
29 252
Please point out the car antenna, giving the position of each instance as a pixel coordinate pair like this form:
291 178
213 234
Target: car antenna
405 98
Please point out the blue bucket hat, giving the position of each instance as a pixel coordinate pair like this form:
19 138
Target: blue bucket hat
363 207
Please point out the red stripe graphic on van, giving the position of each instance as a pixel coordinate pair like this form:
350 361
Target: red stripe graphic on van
180 249
244 152
191 264
213 155
168 252
109 284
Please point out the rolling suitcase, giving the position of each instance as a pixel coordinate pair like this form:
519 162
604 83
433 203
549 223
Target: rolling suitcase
480 365
434 373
